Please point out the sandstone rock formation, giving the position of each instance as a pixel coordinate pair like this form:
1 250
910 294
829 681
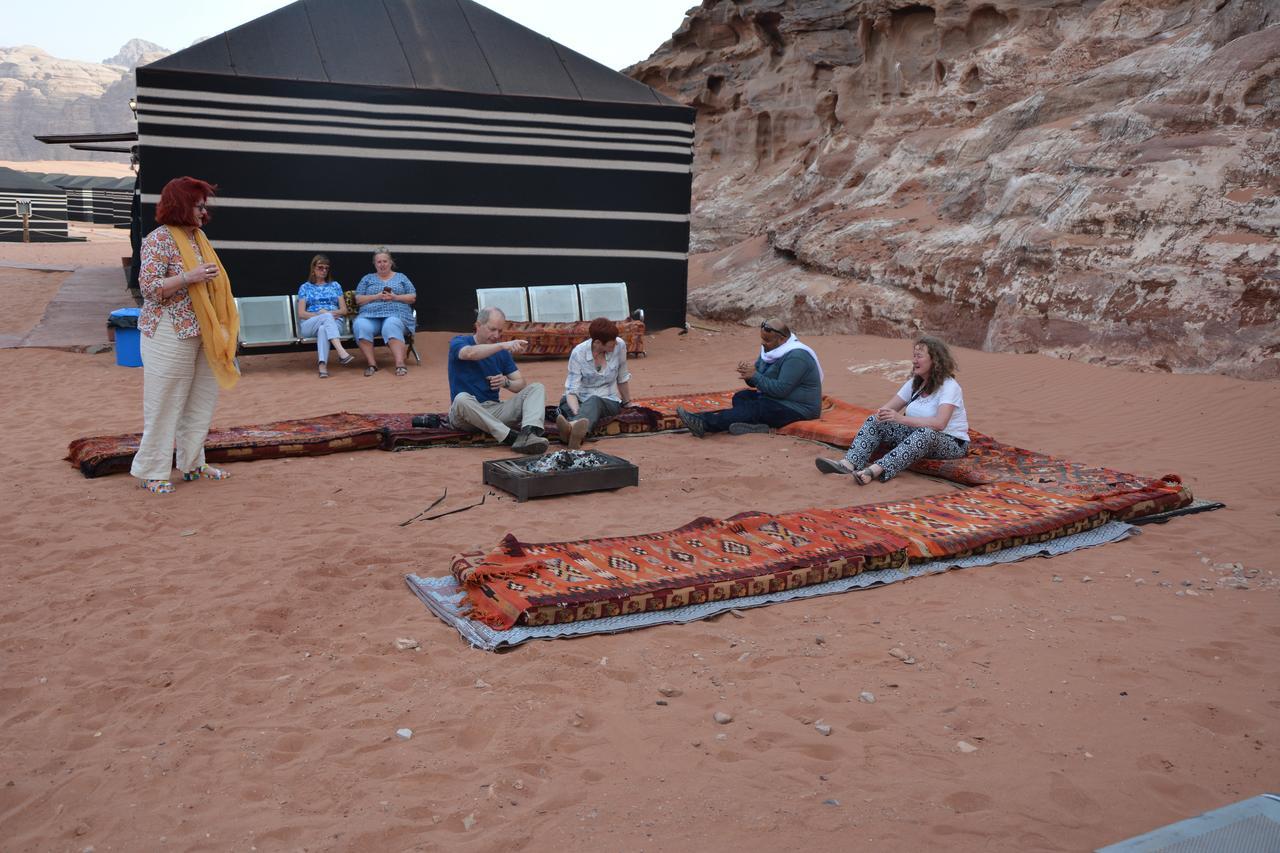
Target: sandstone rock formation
1096 180
41 94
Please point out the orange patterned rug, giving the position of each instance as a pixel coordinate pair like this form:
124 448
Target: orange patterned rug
97 456
559 339
837 423
988 461
713 560
705 560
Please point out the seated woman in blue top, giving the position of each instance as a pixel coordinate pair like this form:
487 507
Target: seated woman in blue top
320 304
384 297
599 383
926 419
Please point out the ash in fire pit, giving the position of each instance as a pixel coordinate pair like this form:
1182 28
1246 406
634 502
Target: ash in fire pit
567 460
563 472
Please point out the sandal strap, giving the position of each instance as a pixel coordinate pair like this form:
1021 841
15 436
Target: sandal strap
206 472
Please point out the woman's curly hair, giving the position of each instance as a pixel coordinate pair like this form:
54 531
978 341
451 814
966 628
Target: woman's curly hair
942 367
178 200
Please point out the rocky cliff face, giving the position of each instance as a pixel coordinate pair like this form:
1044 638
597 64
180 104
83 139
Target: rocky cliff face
41 94
1097 180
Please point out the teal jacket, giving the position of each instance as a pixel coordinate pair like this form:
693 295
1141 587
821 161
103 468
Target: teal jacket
793 381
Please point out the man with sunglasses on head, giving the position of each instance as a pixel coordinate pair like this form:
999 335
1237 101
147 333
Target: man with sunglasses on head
785 385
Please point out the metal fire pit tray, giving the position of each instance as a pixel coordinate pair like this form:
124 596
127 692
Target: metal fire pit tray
514 476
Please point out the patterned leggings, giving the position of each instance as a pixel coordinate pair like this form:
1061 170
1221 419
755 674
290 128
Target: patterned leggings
908 444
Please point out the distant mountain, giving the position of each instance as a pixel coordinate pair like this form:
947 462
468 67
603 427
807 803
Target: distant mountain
42 94
137 52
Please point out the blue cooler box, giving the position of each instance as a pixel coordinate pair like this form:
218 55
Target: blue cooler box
128 341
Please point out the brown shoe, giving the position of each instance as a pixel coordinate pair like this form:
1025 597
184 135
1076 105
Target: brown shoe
578 432
562 428
530 441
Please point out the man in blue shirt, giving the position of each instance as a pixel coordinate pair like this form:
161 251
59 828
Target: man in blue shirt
785 385
480 367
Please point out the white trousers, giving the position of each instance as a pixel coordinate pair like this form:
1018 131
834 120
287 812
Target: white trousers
323 327
528 408
179 392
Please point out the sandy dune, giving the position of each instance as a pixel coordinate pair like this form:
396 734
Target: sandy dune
216 670
92 168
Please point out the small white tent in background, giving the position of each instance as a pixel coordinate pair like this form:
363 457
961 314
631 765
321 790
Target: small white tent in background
43 205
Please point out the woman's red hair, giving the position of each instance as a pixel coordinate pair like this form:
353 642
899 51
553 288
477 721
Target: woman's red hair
603 329
178 202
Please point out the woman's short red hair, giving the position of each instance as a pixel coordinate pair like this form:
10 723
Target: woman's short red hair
178 202
603 329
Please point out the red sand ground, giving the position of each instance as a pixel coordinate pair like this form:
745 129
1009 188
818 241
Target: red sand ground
216 670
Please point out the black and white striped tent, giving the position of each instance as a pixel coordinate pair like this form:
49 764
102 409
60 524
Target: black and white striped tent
482 153
79 203
119 193
47 220
90 198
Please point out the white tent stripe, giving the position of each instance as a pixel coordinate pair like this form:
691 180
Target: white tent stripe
529 251
196 96
149 110
433 209
202 144
387 133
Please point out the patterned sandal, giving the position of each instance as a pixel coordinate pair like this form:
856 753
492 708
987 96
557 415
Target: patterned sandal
206 472
833 466
324 370
401 370
158 487
370 370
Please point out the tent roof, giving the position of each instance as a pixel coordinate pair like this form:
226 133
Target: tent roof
13 180
84 182
455 45
68 181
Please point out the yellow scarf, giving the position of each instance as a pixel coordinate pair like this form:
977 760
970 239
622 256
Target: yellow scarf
214 307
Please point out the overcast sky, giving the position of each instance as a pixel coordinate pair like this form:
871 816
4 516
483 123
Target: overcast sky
616 33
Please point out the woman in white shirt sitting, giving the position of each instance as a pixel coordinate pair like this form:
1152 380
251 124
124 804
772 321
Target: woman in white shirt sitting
599 384
926 419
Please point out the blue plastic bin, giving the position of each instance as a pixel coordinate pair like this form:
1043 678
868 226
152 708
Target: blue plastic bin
128 340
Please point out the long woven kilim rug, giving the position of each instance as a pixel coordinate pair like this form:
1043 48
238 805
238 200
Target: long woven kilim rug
448 599
988 461
97 456
719 560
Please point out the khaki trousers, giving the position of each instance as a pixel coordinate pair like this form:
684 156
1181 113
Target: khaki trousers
179 392
527 408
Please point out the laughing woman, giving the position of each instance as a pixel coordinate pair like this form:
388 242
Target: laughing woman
926 419
320 304
189 327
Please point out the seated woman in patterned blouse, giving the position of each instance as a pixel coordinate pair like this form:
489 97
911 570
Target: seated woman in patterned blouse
599 383
385 298
320 304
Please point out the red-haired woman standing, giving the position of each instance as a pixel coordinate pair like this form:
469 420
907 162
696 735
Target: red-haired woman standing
189 328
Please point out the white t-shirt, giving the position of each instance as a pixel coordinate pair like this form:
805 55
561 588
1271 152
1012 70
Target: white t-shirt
927 406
